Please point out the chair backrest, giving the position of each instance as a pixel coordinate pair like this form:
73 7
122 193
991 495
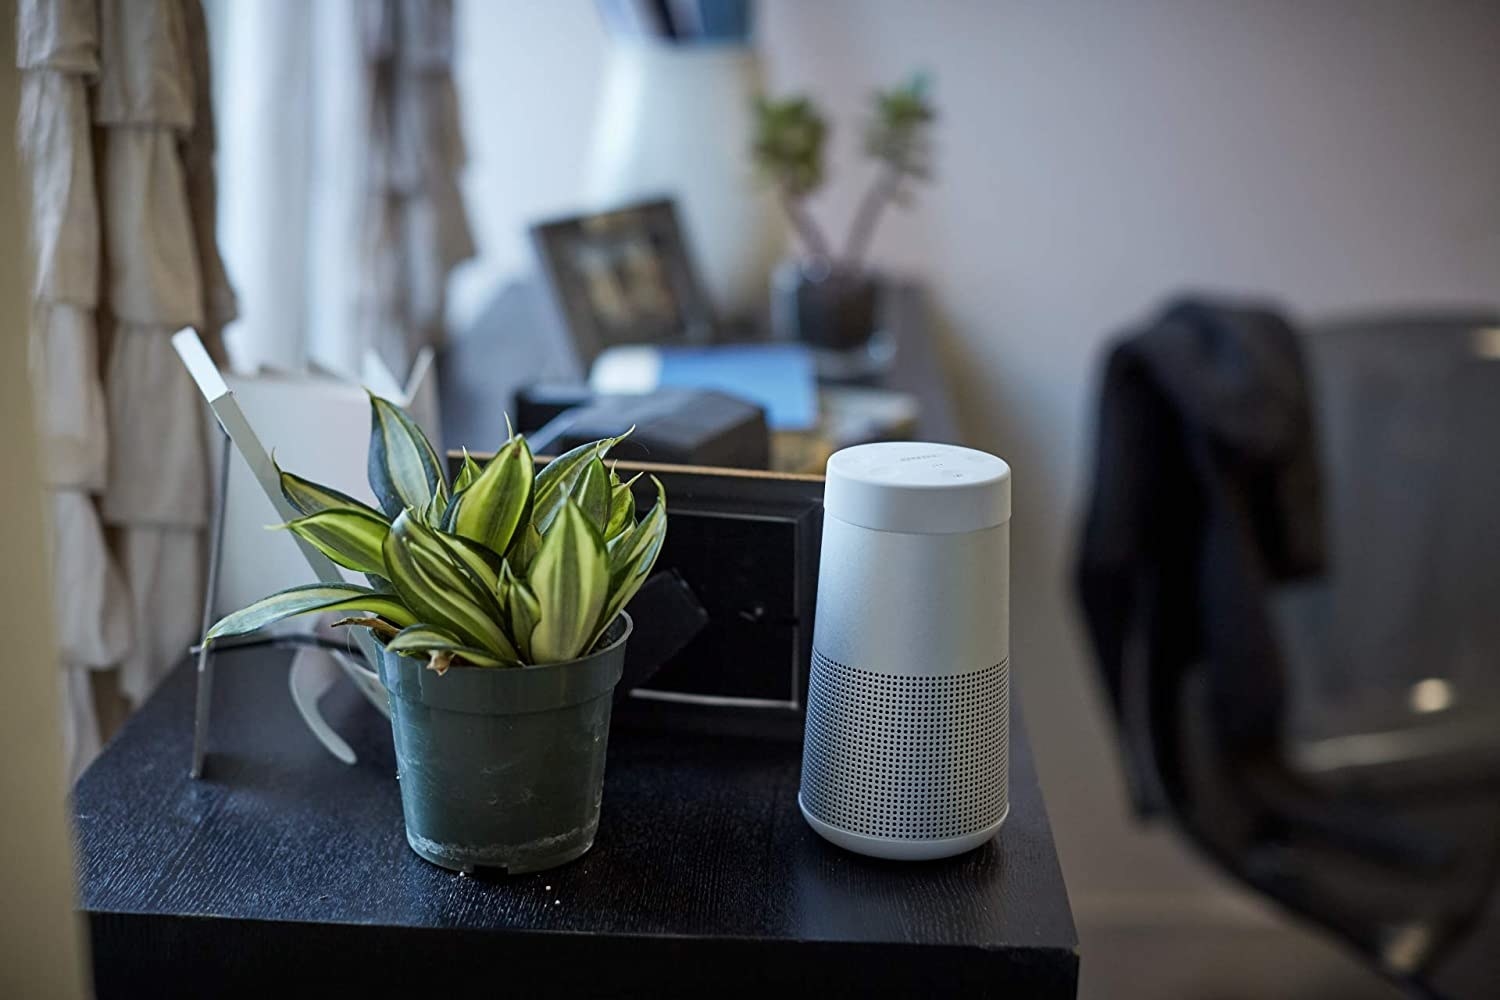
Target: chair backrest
1404 628
1407 411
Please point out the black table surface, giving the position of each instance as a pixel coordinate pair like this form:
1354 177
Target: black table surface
286 870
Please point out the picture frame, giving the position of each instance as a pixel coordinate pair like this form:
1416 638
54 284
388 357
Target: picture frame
624 276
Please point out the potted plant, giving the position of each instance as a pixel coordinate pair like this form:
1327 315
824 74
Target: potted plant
497 602
827 298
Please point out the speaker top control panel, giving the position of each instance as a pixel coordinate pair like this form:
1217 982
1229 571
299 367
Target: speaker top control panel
912 486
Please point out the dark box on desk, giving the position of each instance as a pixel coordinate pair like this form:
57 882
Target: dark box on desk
747 545
672 425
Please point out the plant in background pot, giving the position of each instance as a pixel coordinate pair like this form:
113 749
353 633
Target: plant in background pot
827 298
498 604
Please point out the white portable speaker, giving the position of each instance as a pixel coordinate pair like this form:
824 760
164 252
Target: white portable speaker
908 707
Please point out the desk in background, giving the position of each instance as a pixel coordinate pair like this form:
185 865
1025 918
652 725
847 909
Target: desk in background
517 341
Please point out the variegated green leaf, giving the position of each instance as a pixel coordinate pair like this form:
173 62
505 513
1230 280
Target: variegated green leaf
593 495
431 514
379 626
445 523
621 509
522 610
468 471
350 536
502 592
570 577
559 476
524 549
424 640
440 589
624 549
405 471
499 500
632 557
478 560
307 599
308 497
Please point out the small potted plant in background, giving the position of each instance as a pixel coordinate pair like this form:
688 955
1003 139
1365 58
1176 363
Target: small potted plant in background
827 298
497 602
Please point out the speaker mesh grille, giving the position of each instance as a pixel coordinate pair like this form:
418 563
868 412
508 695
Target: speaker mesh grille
908 758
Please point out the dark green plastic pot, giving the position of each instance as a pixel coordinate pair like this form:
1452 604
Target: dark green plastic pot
503 767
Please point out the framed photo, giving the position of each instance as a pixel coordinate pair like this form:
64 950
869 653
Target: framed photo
623 277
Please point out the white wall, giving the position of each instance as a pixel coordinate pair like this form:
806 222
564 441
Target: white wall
1098 156
1094 157
528 76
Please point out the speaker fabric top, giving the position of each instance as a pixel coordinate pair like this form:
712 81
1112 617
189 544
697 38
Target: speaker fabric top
917 488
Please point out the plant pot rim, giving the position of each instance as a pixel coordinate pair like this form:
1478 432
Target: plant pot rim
510 690
625 630
820 271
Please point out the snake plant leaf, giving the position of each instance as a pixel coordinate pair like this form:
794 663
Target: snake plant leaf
431 513
632 557
524 549
404 469
424 640
593 493
621 509
503 582
623 548
379 626
308 497
559 476
468 472
570 577
522 609
483 563
445 523
440 589
350 536
309 598
498 500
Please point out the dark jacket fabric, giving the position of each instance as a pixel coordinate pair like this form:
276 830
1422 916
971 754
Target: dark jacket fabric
1205 491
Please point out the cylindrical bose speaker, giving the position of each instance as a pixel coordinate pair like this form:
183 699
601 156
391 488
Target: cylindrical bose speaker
908 703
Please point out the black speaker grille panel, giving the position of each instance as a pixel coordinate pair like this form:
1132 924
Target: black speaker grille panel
907 758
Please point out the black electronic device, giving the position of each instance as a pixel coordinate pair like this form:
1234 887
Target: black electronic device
672 426
746 544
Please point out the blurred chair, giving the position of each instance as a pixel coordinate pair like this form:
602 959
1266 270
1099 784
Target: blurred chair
1358 787
1396 652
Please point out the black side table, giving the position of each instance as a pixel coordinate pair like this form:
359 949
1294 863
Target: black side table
284 872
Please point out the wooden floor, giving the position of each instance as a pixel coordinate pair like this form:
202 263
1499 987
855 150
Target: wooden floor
1170 960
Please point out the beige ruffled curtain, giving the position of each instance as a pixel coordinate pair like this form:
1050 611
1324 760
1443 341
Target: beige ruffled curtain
347 222
117 130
